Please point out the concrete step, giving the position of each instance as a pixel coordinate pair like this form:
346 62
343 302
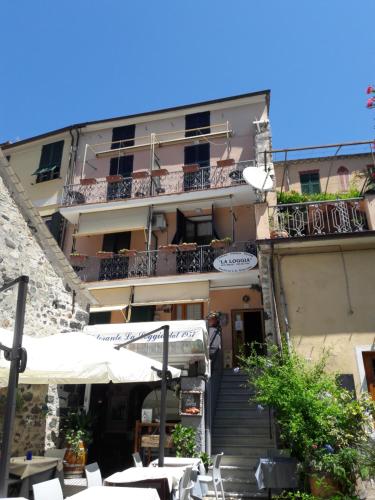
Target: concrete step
248 450
236 403
255 426
248 461
231 396
260 438
238 472
240 412
232 495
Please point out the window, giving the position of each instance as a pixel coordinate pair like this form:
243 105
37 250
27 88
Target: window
55 224
50 162
310 183
343 174
187 311
199 121
100 318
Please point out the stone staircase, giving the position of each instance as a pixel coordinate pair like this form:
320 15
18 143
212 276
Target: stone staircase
244 432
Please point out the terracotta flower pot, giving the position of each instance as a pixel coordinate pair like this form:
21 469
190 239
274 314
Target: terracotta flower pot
168 248
225 163
128 253
111 179
159 172
190 169
87 182
143 174
79 258
323 486
104 255
279 233
187 247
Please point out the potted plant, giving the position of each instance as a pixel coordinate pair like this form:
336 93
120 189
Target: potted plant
184 440
171 248
141 174
187 247
190 169
319 421
78 435
276 231
225 163
77 257
102 254
125 252
87 181
221 243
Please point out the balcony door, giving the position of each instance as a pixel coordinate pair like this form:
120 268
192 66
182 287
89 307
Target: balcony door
197 154
116 267
122 137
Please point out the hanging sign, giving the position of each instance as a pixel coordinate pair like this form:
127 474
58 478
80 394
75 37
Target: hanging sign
235 262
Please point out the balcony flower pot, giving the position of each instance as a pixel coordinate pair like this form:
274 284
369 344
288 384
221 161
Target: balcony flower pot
75 459
190 169
279 233
221 243
77 258
187 247
125 252
161 172
111 179
142 174
225 163
104 255
87 181
168 248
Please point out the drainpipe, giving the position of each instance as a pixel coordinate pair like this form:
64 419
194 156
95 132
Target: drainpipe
284 304
271 273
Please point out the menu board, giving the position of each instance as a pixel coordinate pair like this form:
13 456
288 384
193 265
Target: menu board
191 403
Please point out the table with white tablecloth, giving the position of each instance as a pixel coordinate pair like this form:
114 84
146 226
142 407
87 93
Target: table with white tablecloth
35 471
164 479
199 490
115 493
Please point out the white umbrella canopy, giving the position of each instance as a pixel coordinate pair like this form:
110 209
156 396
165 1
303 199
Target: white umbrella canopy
78 358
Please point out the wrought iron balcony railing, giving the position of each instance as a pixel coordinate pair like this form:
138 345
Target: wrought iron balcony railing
157 262
317 218
158 182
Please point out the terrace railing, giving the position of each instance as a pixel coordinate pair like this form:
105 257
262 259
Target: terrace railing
144 184
157 262
317 218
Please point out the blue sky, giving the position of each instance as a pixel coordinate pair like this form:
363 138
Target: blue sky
71 61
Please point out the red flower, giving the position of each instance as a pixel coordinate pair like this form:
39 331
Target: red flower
314 446
370 89
370 102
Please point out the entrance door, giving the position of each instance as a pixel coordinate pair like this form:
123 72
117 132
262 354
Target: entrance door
247 332
369 363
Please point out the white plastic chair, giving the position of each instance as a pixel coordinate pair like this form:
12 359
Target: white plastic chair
55 453
48 490
137 459
93 475
186 485
216 476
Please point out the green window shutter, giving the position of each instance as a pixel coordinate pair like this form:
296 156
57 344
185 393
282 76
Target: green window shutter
310 183
50 161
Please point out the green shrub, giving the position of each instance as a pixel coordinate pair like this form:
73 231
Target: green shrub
295 197
320 422
184 440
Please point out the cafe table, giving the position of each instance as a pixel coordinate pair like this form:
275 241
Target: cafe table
35 471
115 493
199 490
164 479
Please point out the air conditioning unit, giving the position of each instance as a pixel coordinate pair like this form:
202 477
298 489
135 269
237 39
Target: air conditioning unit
159 222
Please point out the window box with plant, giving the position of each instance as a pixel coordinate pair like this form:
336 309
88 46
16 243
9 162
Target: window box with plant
77 257
191 169
171 248
102 254
228 162
111 179
320 422
125 252
221 243
187 247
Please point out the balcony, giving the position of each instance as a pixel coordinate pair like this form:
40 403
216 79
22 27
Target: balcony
155 183
317 218
157 263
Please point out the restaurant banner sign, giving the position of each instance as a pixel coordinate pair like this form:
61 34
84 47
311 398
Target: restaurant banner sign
235 262
185 337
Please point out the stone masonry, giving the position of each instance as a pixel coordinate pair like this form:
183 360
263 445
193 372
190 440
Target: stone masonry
56 303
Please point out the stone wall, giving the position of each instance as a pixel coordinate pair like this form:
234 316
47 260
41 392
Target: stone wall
54 304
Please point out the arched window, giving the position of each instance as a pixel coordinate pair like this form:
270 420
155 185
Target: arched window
343 174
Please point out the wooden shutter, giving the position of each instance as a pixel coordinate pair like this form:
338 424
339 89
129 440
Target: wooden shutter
181 228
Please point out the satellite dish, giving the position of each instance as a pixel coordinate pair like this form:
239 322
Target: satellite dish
257 178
